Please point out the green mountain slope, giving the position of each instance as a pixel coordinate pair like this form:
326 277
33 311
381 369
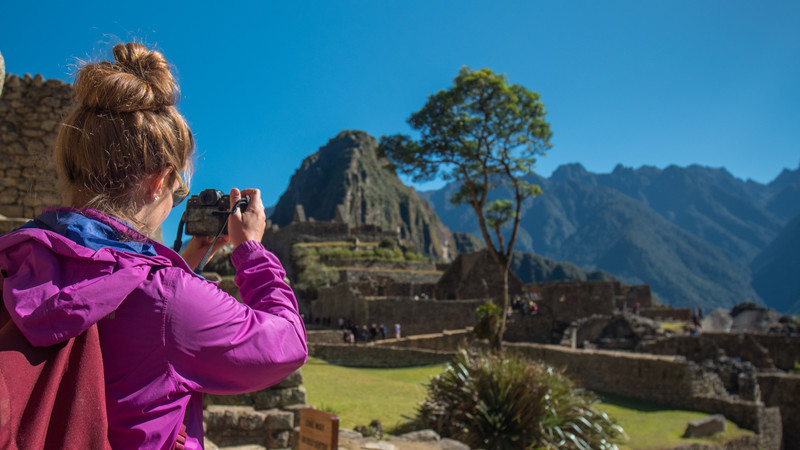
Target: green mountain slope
599 227
775 270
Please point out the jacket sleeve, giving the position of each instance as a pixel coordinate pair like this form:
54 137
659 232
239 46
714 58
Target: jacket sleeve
217 345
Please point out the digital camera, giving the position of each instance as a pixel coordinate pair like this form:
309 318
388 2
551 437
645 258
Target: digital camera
208 212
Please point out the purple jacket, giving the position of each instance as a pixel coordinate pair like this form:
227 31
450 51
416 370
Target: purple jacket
166 334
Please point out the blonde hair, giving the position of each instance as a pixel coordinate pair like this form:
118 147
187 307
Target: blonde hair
124 130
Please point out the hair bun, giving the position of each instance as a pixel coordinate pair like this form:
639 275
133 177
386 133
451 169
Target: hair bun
140 80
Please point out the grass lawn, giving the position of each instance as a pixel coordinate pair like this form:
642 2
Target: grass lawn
358 396
650 426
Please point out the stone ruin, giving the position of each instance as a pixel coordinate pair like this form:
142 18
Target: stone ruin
31 111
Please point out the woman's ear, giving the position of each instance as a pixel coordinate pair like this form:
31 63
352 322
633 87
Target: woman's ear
156 182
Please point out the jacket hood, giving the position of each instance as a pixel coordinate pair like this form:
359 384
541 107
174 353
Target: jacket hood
54 288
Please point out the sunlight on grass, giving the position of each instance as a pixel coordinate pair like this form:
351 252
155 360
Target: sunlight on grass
650 426
360 395
675 327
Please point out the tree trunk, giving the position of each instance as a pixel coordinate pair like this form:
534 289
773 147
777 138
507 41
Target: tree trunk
504 305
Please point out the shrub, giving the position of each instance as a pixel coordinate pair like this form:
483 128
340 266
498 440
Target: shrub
312 274
503 401
411 255
490 323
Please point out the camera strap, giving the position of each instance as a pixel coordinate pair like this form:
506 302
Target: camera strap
241 203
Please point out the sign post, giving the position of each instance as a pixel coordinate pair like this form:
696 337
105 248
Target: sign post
318 430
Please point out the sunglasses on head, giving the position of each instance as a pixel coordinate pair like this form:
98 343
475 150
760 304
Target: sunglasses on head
180 193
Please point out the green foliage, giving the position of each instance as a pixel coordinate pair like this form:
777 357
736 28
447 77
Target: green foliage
503 401
490 323
796 369
388 243
499 212
571 418
311 273
411 255
483 132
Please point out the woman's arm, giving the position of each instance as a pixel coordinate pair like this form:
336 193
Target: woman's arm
216 344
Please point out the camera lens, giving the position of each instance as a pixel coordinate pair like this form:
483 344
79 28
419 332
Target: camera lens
210 197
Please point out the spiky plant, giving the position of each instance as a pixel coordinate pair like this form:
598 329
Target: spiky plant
570 419
503 401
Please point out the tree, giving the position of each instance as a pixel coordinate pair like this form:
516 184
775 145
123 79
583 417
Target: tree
485 134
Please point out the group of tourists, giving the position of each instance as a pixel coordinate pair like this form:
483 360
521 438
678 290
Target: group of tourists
353 334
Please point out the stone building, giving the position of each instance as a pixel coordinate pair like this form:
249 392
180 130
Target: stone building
474 275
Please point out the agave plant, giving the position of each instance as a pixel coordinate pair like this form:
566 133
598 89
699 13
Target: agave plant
501 401
570 418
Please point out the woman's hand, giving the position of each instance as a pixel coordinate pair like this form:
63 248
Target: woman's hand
198 246
248 225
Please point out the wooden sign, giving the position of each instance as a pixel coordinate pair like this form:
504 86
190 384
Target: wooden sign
318 430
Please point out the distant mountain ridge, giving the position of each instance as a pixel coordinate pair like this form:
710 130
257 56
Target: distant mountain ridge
690 233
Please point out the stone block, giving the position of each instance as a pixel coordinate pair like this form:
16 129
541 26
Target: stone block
231 400
295 379
295 409
279 439
221 417
452 444
12 210
7 225
421 435
279 420
705 427
252 420
9 196
277 398
32 132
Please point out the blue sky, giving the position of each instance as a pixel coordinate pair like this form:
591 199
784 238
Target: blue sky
266 84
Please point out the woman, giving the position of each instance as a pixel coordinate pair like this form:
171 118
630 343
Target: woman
166 335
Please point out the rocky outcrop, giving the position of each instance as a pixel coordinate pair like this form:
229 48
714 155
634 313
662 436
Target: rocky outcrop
345 180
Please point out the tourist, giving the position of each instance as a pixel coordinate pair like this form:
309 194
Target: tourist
397 331
166 334
373 332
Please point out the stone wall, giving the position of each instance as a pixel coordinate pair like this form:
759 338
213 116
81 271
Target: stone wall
783 390
447 341
380 286
667 380
763 351
31 111
569 301
414 316
537 328
269 418
379 356
665 313
474 275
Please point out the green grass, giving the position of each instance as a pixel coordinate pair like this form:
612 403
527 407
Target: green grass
675 327
650 426
358 396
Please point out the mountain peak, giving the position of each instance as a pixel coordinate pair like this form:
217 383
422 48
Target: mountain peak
347 176
573 172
